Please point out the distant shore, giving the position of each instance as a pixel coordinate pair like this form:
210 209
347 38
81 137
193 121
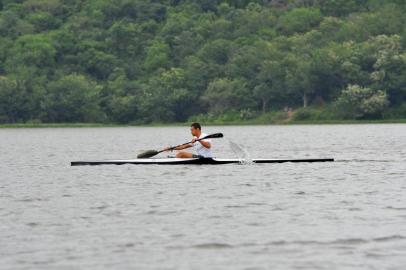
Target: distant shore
215 123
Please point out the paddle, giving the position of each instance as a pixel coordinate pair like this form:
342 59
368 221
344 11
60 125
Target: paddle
151 153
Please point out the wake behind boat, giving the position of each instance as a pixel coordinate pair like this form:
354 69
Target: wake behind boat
192 161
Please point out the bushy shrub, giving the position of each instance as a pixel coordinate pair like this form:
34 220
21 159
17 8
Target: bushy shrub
356 102
395 112
226 117
310 113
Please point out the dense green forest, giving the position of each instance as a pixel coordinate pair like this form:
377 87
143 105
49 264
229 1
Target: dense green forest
143 61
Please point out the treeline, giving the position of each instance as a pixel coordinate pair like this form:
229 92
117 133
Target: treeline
142 61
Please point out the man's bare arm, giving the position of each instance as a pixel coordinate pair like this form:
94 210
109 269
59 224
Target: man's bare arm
183 147
205 144
179 147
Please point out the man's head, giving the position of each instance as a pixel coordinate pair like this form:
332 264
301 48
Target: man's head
196 129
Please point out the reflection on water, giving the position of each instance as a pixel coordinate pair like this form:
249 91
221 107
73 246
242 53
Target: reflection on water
349 214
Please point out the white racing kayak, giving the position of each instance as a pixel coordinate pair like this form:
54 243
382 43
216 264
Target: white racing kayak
196 161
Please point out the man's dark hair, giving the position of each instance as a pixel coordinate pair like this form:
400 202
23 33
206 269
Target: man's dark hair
196 125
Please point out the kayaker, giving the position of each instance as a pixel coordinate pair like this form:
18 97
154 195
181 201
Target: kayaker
202 148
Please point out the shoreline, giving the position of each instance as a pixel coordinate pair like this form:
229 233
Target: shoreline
231 123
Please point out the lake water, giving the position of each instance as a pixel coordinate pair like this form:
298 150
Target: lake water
350 214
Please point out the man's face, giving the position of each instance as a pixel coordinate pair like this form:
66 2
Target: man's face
195 131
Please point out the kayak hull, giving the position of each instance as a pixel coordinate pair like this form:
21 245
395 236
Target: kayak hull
193 161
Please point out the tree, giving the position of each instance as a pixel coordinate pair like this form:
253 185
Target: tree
299 20
12 26
14 101
43 21
299 80
120 99
385 62
72 98
126 39
5 45
217 51
185 44
339 7
246 61
198 74
163 61
166 98
50 6
359 102
225 94
157 56
270 84
32 50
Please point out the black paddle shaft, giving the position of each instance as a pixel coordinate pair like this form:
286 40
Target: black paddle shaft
211 136
151 153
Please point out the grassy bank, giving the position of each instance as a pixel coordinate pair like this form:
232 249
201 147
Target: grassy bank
86 125
308 122
56 125
346 122
257 121
315 116
301 116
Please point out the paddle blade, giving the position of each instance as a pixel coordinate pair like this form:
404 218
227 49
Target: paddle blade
148 154
213 136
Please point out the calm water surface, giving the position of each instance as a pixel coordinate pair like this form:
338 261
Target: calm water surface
350 214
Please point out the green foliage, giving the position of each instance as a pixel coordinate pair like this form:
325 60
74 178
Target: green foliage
157 56
51 6
142 61
314 113
299 20
97 62
358 102
119 99
72 98
231 116
31 51
13 101
165 97
224 94
43 21
398 112
217 51
270 80
339 7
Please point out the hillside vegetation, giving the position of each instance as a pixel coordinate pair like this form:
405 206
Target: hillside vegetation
144 61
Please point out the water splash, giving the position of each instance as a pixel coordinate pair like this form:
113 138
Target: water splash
241 152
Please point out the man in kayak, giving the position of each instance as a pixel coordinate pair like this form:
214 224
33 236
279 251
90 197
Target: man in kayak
202 148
